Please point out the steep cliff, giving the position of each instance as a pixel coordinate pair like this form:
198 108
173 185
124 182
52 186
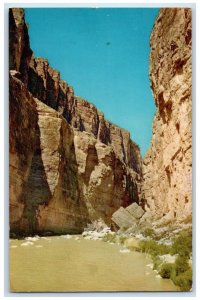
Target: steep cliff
44 190
167 166
45 84
68 164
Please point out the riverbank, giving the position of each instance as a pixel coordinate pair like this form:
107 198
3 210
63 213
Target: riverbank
169 247
166 251
75 263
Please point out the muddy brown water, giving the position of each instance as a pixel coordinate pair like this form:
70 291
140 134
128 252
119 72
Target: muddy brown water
58 264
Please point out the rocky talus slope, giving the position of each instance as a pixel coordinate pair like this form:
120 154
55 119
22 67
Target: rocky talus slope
68 164
167 166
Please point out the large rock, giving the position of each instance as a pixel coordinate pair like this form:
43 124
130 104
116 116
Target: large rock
167 166
123 218
129 216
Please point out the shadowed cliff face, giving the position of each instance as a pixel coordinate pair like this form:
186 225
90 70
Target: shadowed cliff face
68 164
167 166
23 124
44 189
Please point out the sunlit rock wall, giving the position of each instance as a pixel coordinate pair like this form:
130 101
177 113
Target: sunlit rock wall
167 166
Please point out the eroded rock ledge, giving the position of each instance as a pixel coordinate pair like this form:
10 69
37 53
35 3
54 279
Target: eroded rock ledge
68 164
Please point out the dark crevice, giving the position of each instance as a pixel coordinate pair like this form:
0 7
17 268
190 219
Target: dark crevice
91 162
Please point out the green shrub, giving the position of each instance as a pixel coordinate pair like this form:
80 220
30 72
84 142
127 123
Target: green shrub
160 236
109 238
122 239
179 272
166 270
182 244
181 264
153 248
184 280
149 232
157 262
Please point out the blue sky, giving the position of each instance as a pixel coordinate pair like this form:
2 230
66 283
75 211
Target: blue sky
104 54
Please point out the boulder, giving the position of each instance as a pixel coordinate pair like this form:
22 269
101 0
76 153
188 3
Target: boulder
123 218
135 210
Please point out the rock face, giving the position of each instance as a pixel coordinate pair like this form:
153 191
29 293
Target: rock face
167 166
68 164
45 84
22 123
44 191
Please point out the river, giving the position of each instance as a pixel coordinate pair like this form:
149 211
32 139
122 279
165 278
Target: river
61 264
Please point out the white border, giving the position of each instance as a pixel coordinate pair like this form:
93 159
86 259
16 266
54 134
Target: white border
4 137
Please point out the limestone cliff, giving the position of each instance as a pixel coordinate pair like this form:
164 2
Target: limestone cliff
167 166
68 164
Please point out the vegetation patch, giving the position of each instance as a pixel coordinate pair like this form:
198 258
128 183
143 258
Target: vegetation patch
109 237
180 271
184 280
166 270
157 262
114 238
181 264
132 244
183 244
122 239
153 248
149 232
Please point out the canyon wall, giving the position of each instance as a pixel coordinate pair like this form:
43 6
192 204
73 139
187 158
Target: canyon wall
68 164
167 166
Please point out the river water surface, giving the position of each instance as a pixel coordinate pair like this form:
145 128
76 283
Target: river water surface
61 264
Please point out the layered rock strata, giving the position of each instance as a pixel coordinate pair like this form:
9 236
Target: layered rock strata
167 166
68 164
